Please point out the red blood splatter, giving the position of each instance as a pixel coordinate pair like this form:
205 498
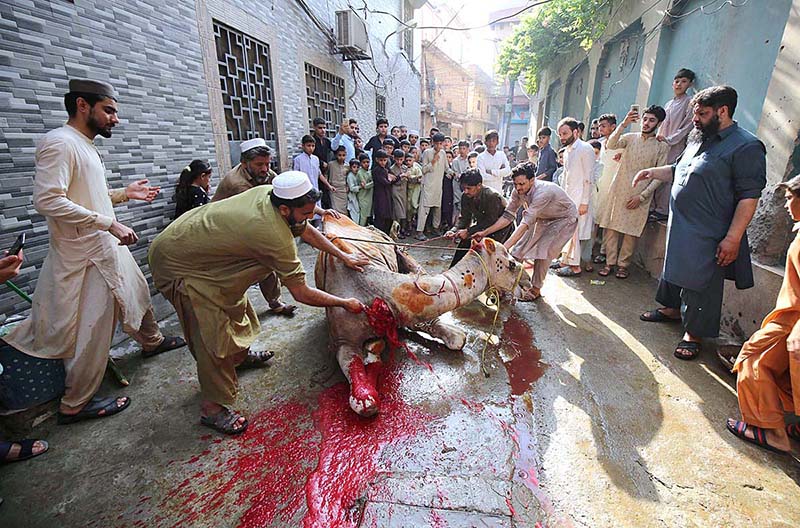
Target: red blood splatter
349 451
263 469
437 521
511 509
384 323
524 367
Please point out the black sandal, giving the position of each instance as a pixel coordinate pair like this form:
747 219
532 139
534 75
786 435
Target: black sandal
169 343
286 310
256 359
692 347
738 428
793 430
25 452
96 408
657 316
224 422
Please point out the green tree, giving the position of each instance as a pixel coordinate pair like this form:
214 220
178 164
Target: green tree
546 37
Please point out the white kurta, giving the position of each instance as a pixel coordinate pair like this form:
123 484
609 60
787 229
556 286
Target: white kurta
432 174
604 183
493 167
579 160
70 191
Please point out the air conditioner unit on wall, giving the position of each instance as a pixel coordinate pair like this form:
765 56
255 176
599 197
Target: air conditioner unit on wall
352 40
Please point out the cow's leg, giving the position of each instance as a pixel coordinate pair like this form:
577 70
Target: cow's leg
453 337
362 375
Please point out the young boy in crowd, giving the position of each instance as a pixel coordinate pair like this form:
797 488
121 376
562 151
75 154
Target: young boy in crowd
382 192
533 155
388 146
365 192
447 191
337 178
353 187
399 191
405 145
414 178
472 159
560 169
424 143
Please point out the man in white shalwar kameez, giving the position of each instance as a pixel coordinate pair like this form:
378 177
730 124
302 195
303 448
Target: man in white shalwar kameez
89 280
579 160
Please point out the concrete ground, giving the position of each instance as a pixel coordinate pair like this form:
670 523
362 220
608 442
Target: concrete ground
585 419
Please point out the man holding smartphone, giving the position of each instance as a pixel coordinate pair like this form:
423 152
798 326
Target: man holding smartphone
89 280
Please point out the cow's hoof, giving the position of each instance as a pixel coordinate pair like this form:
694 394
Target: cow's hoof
456 341
366 407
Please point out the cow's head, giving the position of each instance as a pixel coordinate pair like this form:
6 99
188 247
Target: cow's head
504 270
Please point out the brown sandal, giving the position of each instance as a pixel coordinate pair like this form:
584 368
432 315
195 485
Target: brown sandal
622 273
605 271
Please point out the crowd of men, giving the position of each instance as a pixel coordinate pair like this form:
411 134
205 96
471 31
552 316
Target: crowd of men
548 209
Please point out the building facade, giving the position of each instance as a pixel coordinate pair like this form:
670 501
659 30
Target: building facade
455 98
195 78
751 46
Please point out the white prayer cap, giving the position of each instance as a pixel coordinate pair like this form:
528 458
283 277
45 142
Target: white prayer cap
252 143
413 133
291 184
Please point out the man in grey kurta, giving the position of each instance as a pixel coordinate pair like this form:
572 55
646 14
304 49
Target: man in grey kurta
549 220
717 183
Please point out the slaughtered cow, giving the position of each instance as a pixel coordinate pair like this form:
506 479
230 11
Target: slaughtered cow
414 299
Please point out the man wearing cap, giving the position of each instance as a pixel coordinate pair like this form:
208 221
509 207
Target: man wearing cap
254 169
89 280
204 262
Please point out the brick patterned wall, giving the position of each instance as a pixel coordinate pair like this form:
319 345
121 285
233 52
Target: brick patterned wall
157 56
151 53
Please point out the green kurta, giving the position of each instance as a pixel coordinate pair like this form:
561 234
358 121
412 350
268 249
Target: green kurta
218 251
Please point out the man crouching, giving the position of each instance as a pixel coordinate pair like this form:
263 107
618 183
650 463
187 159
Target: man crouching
205 261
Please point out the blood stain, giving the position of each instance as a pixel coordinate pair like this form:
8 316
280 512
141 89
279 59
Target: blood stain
525 365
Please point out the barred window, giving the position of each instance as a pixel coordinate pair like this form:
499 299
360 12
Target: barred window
407 35
245 77
325 95
380 106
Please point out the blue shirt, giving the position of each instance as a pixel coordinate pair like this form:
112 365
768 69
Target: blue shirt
548 163
710 178
310 165
347 142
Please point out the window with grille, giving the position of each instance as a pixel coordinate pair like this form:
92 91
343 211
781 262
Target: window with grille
245 77
380 107
407 36
325 96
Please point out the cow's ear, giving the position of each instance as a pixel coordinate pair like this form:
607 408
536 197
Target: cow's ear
489 243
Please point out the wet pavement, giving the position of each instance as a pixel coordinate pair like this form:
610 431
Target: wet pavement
585 419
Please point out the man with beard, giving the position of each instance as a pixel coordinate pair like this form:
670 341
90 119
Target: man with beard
254 170
625 211
577 182
205 261
89 281
717 183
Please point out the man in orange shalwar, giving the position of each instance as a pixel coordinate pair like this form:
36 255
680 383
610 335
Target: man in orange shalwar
768 365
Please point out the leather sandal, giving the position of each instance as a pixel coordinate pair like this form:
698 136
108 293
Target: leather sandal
225 422
169 343
96 408
256 359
